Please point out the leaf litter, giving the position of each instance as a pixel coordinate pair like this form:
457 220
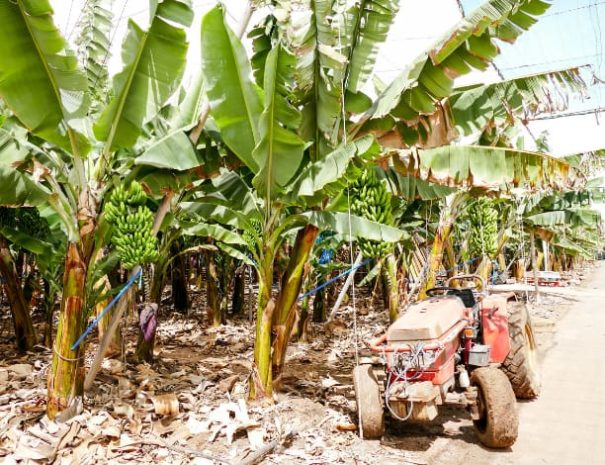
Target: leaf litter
190 406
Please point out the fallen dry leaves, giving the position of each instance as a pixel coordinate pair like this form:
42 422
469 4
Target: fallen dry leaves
190 407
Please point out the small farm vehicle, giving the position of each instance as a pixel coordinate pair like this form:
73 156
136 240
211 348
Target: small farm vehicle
460 346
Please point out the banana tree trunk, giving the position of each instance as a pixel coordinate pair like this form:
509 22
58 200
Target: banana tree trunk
520 269
180 290
239 291
539 260
320 306
115 348
546 253
22 322
285 309
485 269
301 332
66 378
389 281
214 307
49 307
158 281
502 263
532 239
148 323
448 215
262 383
450 258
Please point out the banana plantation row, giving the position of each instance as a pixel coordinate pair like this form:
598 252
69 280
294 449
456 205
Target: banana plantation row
275 162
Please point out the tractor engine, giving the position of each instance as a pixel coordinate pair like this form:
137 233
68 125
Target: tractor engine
421 359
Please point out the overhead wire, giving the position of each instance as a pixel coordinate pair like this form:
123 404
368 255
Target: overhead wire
568 114
570 10
598 45
112 37
78 18
71 5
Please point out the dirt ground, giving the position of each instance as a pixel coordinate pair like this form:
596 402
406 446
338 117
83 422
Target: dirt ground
189 405
566 424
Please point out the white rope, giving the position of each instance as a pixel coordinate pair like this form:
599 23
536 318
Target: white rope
344 131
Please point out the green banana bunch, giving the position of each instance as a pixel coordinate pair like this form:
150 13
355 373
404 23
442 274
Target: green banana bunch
370 199
132 225
374 248
483 218
252 237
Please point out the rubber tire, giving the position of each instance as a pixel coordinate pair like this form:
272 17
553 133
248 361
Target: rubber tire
521 363
369 402
499 427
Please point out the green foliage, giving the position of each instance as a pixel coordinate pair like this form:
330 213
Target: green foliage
476 107
279 150
154 62
39 76
233 97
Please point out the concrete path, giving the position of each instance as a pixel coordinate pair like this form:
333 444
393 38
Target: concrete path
566 424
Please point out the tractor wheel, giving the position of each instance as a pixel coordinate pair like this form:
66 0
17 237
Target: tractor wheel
521 364
369 402
498 422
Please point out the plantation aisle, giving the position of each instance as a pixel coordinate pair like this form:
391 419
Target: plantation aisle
565 426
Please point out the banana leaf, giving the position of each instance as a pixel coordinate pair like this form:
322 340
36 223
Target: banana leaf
468 45
234 99
571 216
474 107
371 20
19 189
279 150
317 175
39 76
154 62
483 167
353 227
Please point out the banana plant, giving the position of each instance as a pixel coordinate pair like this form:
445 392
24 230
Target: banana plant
75 159
311 62
26 230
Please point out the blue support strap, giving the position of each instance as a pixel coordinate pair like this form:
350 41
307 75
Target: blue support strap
95 322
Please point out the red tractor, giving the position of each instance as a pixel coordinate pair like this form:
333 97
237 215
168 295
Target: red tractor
459 346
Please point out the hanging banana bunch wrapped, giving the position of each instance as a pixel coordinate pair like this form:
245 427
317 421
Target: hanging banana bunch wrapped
132 225
370 199
483 218
26 220
7 217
